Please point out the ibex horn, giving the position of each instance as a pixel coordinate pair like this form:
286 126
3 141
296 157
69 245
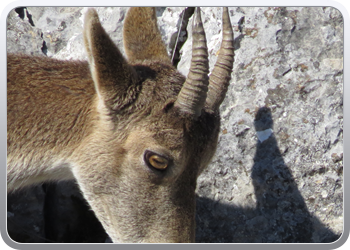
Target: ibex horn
221 74
193 93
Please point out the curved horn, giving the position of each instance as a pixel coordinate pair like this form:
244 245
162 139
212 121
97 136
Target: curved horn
193 93
221 74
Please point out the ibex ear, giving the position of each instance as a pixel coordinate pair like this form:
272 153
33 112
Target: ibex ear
113 77
142 39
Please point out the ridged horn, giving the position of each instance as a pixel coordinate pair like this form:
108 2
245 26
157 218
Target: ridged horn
193 93
221 74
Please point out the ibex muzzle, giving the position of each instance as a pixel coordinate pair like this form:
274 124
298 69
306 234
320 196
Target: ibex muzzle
134 133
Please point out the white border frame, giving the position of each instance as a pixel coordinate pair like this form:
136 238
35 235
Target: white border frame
8 5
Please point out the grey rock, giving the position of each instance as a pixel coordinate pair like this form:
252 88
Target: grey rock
287 77
287 80
21 36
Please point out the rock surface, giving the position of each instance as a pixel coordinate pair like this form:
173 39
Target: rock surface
277 175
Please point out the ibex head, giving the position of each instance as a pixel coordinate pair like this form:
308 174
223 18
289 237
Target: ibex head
137 143
154 131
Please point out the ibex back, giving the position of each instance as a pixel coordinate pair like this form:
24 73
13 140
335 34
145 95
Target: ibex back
134 133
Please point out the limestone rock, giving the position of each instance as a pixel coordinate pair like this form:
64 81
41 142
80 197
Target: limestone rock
287 79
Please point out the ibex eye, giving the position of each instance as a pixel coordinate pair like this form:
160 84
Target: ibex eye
155 160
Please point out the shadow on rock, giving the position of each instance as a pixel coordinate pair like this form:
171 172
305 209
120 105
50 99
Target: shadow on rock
52 213
280 215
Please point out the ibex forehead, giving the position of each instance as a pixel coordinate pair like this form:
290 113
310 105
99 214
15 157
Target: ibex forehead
160 81
161 132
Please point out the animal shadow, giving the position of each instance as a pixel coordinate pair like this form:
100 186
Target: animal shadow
280 215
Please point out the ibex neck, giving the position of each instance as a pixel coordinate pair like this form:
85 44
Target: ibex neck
49 105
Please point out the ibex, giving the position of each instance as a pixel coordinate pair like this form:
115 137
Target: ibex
134 133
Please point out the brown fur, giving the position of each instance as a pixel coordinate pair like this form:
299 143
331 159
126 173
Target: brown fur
65 122
142 40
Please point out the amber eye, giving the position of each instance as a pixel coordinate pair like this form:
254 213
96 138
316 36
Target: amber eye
157 161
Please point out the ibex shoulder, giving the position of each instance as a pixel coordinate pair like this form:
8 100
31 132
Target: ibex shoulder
49 107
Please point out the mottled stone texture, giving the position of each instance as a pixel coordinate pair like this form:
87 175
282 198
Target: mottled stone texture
282 184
